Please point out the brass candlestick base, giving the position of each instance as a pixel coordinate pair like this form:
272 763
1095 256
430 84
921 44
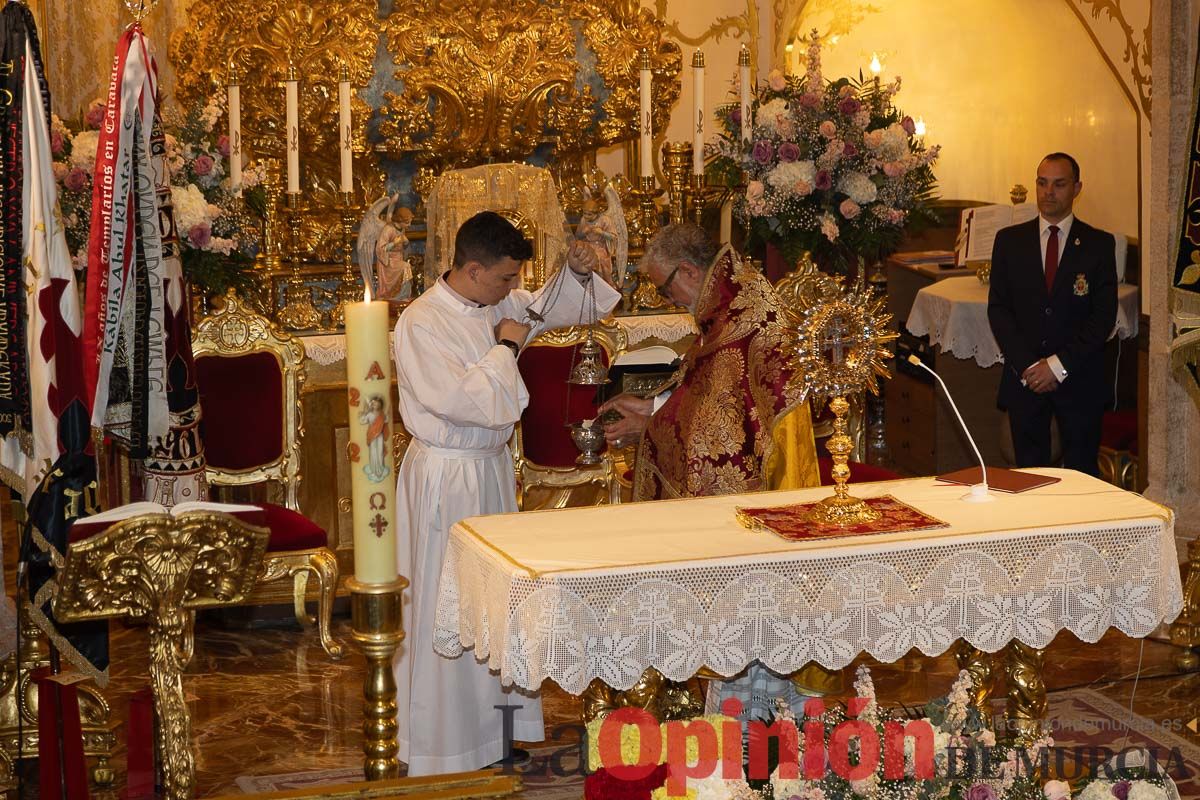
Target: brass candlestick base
677 157
298 313
270 257
695 194
378 628
646 223
349 290
841 508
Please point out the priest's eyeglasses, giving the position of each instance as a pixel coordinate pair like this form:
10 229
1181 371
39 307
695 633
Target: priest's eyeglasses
666 285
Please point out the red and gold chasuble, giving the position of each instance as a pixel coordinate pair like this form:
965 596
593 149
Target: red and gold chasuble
734 422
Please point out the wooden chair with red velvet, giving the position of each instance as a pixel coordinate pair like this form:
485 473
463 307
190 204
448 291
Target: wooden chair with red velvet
249 374
1118 457
543 452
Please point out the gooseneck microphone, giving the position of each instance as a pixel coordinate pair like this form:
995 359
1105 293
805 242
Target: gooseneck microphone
979 492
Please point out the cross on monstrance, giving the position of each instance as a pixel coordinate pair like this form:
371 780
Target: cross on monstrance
836 339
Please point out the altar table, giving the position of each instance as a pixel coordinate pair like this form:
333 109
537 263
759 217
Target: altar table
953 312
607 592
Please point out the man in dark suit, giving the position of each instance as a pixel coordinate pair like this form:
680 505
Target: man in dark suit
1052 306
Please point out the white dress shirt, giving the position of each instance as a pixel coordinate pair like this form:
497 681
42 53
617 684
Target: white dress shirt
1064 228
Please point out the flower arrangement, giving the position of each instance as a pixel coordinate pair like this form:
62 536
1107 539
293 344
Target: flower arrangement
218 232
859 751
831 168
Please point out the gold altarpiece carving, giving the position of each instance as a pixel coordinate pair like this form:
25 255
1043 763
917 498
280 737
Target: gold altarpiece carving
455 83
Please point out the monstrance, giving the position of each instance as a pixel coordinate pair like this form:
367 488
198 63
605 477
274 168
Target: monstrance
838 351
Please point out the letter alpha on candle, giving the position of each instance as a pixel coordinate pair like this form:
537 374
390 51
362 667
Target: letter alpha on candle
374 373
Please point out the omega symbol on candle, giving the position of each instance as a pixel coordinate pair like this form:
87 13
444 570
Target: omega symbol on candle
372 417
377 501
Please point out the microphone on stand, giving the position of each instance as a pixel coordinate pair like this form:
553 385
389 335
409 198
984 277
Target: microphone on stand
979 492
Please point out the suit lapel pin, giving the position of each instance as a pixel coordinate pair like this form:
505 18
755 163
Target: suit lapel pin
1077 241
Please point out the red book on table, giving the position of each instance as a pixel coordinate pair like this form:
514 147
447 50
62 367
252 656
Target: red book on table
1002 480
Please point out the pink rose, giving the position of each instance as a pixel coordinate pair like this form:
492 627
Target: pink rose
60 171
893 169
824 180
76 180
788 152
223 146
909 126
94 117
849 107
776 81
828 129
763 152
849 208
896 216
804 188
810 100
981 791
873 139
200 235
849 151
845 91
57 143
202 165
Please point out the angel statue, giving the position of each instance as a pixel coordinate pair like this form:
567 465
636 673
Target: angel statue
381 250
606 232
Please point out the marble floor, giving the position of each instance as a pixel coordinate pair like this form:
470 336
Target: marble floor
267 700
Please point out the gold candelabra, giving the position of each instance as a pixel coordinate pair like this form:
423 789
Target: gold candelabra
298 313
379 629
348 290
677 157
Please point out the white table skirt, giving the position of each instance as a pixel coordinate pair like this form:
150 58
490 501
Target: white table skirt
953 312
606 592
330 348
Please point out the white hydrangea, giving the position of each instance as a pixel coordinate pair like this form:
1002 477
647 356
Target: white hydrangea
788 787
714 787
858 187
210 114
1143 790
83 150
793 177
191 209
774 116
894 145
866 787
1098 790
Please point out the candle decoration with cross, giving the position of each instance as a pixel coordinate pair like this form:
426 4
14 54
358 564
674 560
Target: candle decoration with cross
839 350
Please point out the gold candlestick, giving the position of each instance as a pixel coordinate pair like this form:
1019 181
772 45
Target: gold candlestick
379 629
298 313
677 159
647 224
695 193
270 257
349 290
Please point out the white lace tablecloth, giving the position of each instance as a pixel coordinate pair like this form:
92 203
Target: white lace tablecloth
954 314
330 348
605 592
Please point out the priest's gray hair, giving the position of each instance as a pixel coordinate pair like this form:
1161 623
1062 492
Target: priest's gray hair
684 241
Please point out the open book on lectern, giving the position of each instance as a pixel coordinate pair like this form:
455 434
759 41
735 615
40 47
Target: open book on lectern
978 227
97 523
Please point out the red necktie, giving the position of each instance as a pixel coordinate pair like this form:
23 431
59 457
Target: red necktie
1051 257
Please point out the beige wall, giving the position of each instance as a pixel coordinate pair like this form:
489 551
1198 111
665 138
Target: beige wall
999 84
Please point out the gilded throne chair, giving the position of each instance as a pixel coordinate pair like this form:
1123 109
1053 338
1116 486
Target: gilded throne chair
250 374
544 454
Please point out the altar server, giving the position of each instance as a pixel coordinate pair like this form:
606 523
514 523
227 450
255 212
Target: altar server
456 349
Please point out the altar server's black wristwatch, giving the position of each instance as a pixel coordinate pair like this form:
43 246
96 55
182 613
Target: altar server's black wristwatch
511 345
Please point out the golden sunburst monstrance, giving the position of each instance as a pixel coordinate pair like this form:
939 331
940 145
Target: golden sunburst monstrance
839 350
